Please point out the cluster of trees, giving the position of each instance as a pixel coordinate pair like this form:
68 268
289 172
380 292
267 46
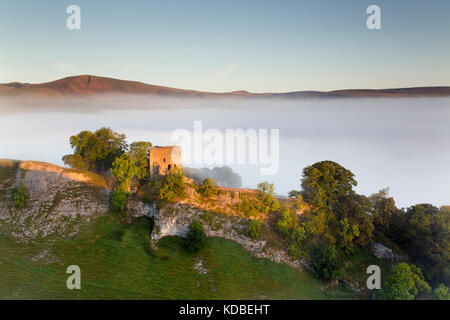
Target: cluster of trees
105 151
95 151
422 231
340 221
404 283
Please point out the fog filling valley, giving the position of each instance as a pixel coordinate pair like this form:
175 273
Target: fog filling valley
401 143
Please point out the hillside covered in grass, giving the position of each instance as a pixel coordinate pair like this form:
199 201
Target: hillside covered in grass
117 262
65 220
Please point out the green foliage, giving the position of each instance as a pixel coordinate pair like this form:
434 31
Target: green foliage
295 251
324 182
132 164
20 196
339 222
207 217
247 207
196 238
118 200
173 187
264 203
356 211
95 150
294 193
287 223
266 188
267 201
124 170
254 229
316 223
299 203
404 283
325 258
383 211
427 240
347 235
139 154
423 233
442 292
207 188
333 236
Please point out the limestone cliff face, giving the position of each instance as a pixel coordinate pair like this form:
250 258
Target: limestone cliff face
174 220
59 199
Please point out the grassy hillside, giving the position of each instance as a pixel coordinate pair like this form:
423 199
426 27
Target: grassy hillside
117 262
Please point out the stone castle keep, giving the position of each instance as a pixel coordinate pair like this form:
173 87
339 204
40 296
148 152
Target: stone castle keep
164 159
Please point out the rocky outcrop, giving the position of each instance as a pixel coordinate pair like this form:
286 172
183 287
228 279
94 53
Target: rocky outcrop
59 200
174 220
382 252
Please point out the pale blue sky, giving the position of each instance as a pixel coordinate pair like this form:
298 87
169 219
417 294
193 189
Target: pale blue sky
259 46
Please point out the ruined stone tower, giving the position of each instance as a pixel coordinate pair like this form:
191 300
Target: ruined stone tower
164 159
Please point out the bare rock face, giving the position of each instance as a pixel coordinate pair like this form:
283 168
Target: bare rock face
59 199
174 220
382 252
135 208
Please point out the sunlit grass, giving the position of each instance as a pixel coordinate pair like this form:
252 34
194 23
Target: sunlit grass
117 262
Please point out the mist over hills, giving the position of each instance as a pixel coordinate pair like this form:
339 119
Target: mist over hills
89 85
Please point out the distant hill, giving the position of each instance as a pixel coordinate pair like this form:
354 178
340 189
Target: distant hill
88 85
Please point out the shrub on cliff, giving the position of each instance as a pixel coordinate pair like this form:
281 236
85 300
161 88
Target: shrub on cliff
173 187
254 229
20 196
196 237
118 200
124 170
139 154
207 188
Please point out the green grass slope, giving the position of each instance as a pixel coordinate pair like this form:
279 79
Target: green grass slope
117 262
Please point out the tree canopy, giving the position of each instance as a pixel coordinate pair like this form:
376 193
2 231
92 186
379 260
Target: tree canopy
139 155
324 182
404 283
97 150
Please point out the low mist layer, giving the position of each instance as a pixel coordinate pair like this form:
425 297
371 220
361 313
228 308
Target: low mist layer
223 176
